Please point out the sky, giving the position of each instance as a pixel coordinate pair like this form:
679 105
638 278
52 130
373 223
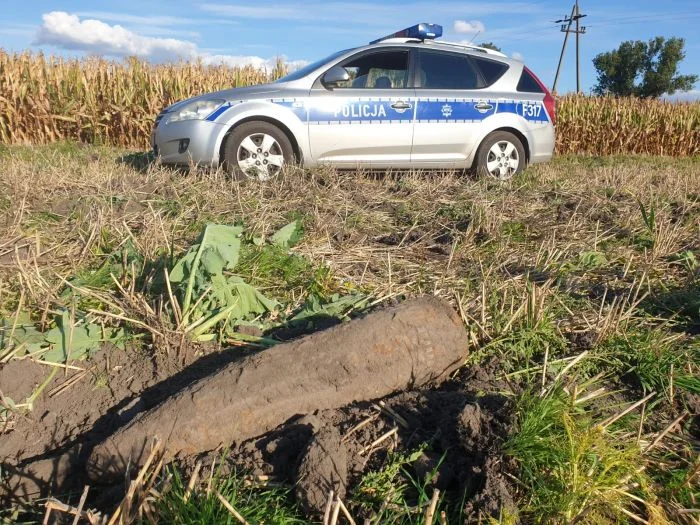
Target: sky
246 32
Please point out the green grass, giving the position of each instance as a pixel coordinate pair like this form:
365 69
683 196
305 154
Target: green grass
571 470
657 361
274 506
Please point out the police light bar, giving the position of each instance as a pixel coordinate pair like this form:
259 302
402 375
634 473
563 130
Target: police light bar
419 31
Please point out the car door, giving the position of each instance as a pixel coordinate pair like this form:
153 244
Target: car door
450 108
368 119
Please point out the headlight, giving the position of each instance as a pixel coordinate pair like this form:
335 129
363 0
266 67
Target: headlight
197 109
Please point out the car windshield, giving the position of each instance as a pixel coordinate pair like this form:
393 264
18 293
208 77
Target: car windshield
309 68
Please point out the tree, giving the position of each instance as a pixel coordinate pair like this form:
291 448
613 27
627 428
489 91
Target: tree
490 45
643 69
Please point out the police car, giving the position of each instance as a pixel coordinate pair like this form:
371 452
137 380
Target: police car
404 101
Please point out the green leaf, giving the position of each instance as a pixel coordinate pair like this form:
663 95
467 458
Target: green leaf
287 236
338 306
592 259
251 301
183 266
77 341
218 249
25 335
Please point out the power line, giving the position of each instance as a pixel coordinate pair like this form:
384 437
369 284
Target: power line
579 30
643 19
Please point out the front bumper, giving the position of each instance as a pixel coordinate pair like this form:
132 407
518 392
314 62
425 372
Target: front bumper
168 139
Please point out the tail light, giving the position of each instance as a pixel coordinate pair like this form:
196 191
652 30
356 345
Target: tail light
549 103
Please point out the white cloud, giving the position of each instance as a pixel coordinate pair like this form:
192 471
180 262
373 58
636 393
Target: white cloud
517 56
68 31
126 18
684 96
465 27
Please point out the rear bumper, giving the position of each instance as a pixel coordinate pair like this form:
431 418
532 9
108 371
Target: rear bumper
201 138
542 142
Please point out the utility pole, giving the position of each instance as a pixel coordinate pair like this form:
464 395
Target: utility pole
566 23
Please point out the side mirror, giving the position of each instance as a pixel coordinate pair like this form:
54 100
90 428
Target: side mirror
335 76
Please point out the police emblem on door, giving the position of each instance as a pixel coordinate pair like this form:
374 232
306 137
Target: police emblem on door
447 111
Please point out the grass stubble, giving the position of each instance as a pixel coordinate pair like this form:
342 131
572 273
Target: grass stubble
579 279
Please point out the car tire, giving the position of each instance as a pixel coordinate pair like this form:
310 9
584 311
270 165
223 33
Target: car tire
257 151
501 155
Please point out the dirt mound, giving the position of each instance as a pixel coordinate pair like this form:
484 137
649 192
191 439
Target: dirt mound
464 429
324 467
18 379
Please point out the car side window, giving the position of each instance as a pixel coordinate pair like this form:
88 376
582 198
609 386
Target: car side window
491 70
382 70
447 71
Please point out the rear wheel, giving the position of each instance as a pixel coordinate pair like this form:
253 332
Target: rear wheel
501 156
257 150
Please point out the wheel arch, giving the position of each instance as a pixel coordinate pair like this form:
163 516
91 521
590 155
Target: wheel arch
269 120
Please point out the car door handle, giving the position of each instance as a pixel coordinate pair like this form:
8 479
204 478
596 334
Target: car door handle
401 105
483 106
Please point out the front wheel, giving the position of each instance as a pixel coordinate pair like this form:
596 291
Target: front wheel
257 150
501 155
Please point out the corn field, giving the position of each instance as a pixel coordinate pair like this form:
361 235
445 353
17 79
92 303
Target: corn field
45 99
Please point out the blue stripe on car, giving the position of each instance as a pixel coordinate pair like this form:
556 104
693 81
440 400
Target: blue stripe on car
331 110
453 110
213 116
348 110
529 110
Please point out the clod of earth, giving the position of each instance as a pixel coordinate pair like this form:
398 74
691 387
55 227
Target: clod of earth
324 467
399 348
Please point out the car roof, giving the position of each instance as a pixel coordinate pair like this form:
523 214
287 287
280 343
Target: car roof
443 46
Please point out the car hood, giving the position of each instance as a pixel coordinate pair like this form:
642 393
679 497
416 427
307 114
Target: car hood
235 94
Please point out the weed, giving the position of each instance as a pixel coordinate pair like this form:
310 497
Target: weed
525 332
592 259
394 495
571 469
657 361
517 231
256 505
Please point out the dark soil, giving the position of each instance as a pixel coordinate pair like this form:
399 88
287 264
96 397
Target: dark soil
39 453
323 467
463 429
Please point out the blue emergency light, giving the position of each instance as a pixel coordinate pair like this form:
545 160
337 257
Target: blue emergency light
419 31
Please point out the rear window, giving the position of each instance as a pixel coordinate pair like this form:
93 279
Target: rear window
528 84
491 70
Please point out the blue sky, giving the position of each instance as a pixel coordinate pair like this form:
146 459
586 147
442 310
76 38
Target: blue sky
304 30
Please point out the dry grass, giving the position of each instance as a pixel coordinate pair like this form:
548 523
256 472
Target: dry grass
45 99
409 233
560 261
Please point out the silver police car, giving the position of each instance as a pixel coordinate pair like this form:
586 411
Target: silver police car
403 101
